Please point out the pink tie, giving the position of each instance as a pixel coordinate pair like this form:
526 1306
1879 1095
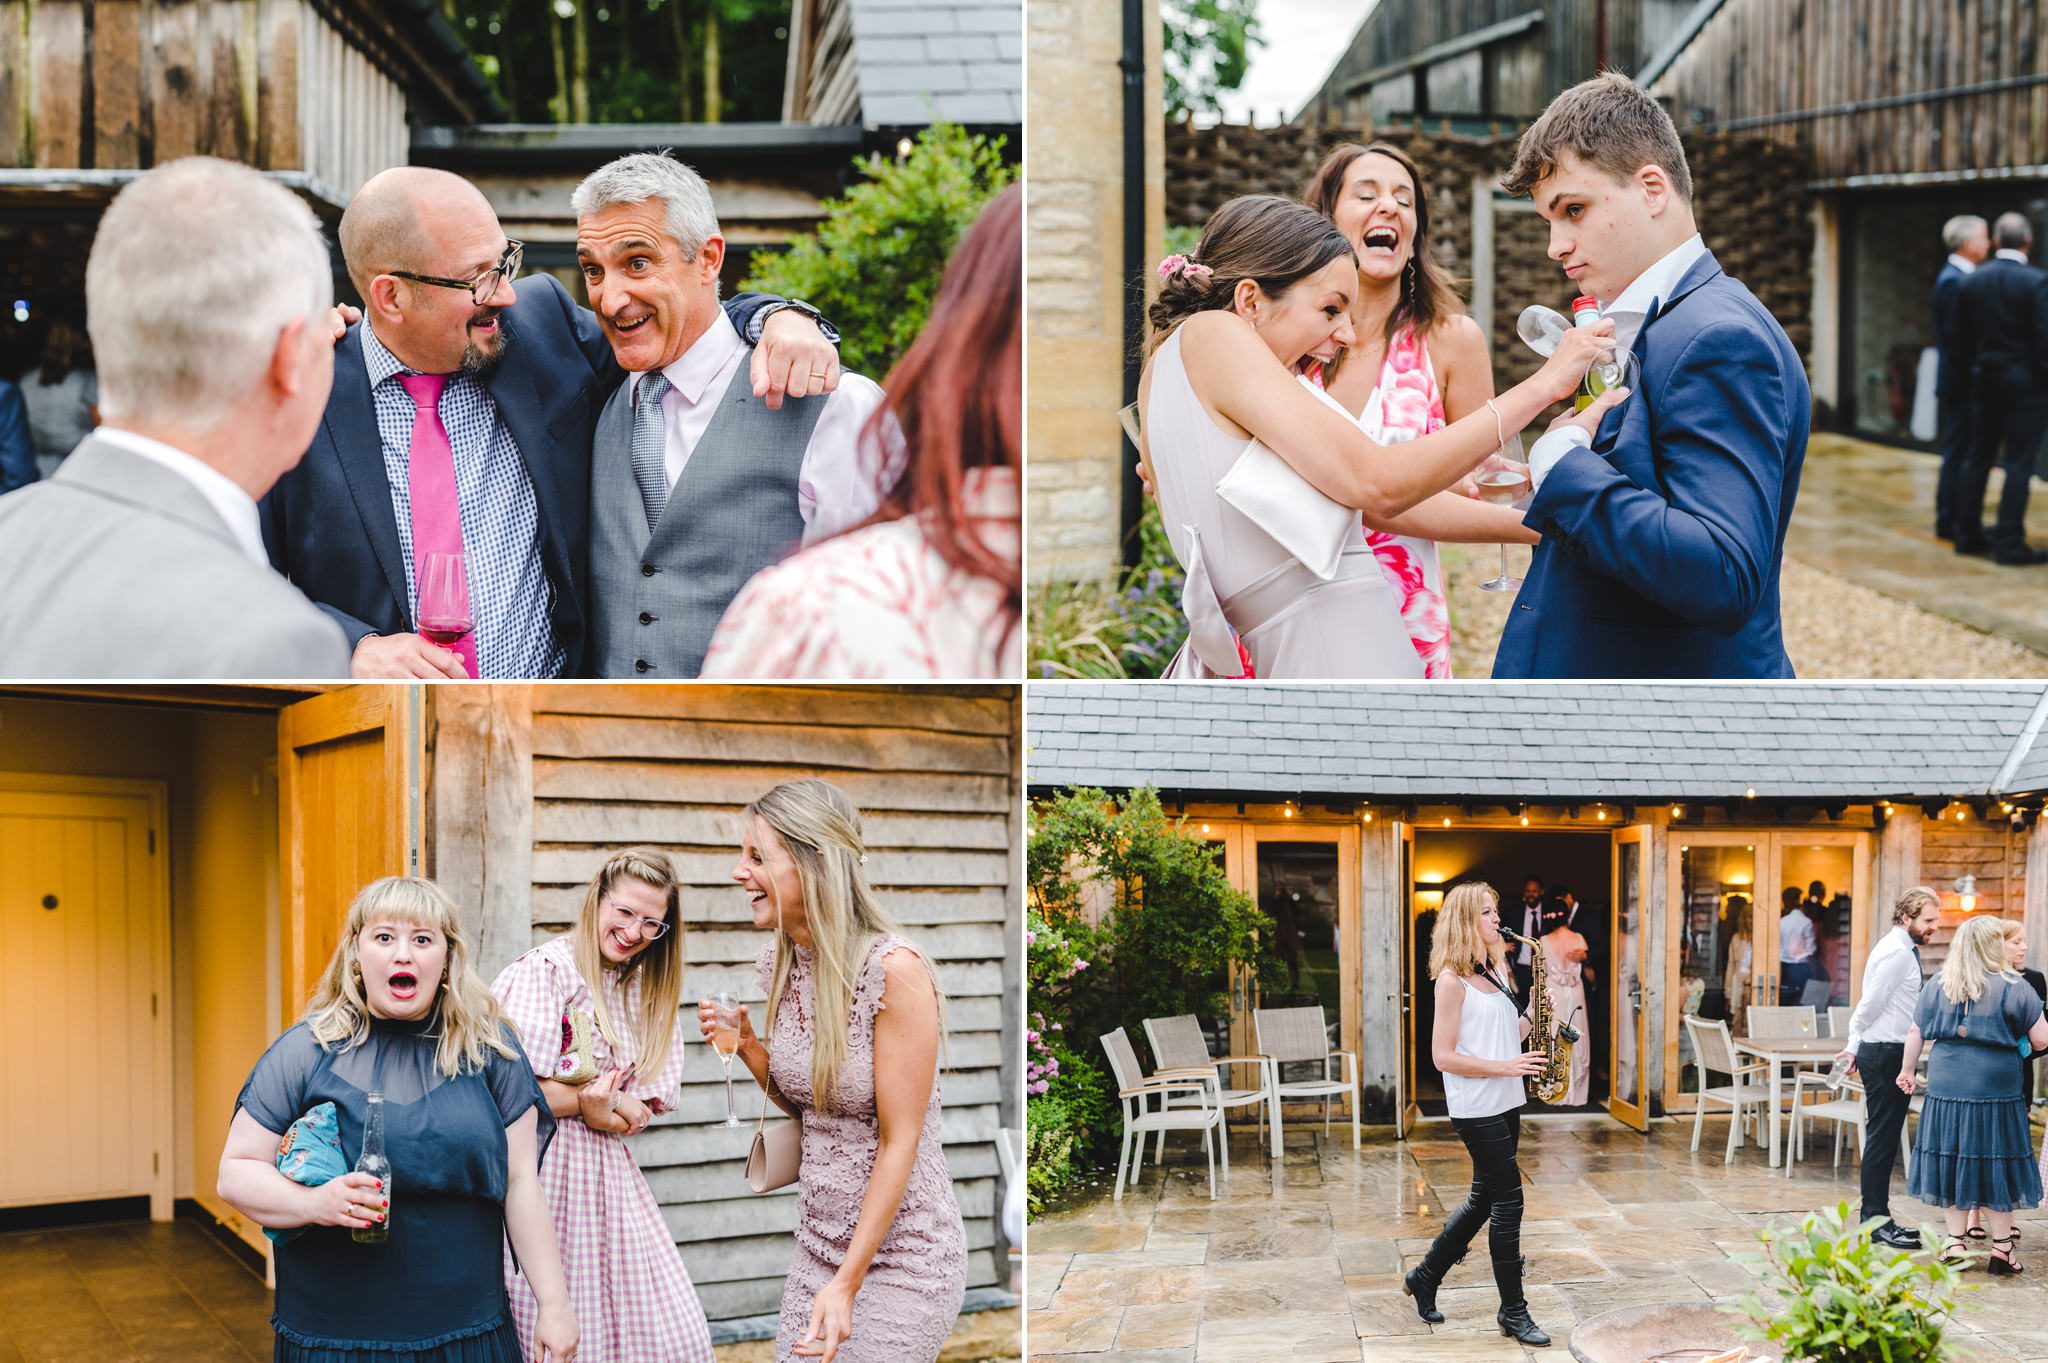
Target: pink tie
436 511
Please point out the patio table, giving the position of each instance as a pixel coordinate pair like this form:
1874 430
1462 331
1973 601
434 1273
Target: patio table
1782 1053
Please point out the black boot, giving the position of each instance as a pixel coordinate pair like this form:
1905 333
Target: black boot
1422 1281
1513 1317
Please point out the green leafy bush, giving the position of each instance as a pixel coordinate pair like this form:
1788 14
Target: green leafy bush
1837 1296
1131 917
874 264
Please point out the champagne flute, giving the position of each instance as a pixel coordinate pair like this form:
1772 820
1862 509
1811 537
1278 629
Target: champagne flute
444 598
1503 480
725 1039
1127 417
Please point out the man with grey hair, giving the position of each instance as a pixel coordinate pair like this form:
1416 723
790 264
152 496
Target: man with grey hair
696 484
1968 240
207 294
460 427
2002 340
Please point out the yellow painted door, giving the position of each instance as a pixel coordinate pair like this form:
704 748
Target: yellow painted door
349 765
84 966
1628 1098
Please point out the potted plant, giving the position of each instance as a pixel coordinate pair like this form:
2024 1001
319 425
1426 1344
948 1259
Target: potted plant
1831 1294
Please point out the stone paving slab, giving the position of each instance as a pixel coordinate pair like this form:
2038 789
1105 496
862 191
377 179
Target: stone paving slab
1276 1269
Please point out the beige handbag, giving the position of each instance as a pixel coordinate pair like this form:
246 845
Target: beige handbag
776 1155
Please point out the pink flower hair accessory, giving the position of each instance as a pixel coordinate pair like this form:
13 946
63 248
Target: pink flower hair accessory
1181 265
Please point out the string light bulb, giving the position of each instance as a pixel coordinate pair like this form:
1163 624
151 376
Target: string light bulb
1749 794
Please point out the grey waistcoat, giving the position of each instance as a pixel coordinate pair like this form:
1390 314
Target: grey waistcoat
656 599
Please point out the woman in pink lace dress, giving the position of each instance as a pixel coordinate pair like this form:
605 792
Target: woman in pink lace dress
854 1026
1420 362
931 586
596 1010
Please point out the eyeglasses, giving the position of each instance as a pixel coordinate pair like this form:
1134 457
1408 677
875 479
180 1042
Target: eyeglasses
485 284
653 929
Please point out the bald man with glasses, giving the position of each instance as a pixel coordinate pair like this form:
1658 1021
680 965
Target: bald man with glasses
460 424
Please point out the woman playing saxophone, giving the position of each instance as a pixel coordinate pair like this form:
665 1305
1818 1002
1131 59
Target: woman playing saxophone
1477 1044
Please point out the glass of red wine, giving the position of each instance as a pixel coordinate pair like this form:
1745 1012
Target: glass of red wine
444 598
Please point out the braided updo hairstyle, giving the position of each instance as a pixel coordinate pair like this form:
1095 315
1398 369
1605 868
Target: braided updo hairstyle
1273 242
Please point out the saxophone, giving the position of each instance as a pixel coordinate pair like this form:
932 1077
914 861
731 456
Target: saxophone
1556 1037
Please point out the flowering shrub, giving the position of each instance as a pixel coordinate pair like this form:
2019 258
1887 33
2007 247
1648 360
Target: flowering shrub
1127 626
1131 917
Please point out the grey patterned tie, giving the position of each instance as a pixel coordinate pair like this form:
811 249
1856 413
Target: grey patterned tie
650 445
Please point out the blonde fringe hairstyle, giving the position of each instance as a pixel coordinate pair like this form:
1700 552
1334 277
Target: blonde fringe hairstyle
1976 955
661 964
338 1014
1458 946
819 829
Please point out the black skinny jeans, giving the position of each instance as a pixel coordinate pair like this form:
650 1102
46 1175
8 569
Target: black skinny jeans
1496 1197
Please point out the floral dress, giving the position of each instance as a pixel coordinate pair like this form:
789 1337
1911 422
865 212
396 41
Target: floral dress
912 1294
627 1285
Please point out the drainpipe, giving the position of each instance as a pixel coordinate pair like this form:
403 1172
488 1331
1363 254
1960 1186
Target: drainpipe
1131 503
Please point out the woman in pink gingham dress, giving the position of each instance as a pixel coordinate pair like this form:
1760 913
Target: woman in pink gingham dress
880 1265
631 1294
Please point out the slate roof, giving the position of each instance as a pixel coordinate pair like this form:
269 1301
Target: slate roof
1531 740
961 60
2029 760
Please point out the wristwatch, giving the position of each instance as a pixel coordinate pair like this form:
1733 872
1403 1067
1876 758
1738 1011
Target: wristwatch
760 320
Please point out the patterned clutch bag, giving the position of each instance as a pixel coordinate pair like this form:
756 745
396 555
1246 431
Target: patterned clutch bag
577 1063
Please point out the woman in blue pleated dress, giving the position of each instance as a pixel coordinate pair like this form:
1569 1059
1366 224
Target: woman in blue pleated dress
1974 1150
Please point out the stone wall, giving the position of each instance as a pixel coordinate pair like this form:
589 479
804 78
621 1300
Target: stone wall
1074 201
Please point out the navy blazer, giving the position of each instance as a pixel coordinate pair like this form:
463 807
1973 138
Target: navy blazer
1951 379
328 523
1662 544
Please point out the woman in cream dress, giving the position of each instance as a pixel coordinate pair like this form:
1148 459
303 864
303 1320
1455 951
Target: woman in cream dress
1272 283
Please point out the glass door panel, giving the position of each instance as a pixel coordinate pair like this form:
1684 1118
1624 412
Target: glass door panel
1722 946
1824 878
1628 1095
1298 888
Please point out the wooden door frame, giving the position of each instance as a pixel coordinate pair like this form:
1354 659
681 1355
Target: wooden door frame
1635 1115
155 796
1407 1111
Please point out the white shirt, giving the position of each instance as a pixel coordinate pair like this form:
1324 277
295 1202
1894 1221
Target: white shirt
1532 927
841 480
222 493
2008 253
1627 312
1489 1028
1963 263
1795 938
1891 992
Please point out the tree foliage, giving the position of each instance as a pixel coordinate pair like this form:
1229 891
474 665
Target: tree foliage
1208 50
629 61
874 264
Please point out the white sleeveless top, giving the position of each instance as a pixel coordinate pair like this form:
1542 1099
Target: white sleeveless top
1488 1029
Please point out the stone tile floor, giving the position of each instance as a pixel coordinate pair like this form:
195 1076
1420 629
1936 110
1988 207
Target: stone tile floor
1304 1263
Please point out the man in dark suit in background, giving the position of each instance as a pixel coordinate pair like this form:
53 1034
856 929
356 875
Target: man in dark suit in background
1968 239
1525 920
460 421
2002 337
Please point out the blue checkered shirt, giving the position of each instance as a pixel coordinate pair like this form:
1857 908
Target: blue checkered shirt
510 597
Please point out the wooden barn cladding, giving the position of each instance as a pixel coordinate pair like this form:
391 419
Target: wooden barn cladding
533 786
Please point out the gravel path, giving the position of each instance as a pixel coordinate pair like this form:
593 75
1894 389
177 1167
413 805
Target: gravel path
1834 628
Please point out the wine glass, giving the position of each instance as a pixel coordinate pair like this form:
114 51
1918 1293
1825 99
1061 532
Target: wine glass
725 1039
1127 415
444 598
1612 368
1541 328
1503 480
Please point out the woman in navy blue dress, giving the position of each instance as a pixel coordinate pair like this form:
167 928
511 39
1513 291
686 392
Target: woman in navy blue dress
401 1011
1974 1149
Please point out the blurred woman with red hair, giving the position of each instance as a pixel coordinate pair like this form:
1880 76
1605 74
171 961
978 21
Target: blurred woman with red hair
931 585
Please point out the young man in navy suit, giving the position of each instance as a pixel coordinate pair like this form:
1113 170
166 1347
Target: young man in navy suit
1663 532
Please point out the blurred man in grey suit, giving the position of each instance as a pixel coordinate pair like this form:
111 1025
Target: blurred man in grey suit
207 296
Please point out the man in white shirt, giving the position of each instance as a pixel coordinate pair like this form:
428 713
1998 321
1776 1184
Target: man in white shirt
696 485
207 296
1663 532
1796 944
1875 1047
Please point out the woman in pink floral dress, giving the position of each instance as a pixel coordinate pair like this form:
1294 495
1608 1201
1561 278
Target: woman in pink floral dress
1420 362
855 1022
931 586
596 1010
